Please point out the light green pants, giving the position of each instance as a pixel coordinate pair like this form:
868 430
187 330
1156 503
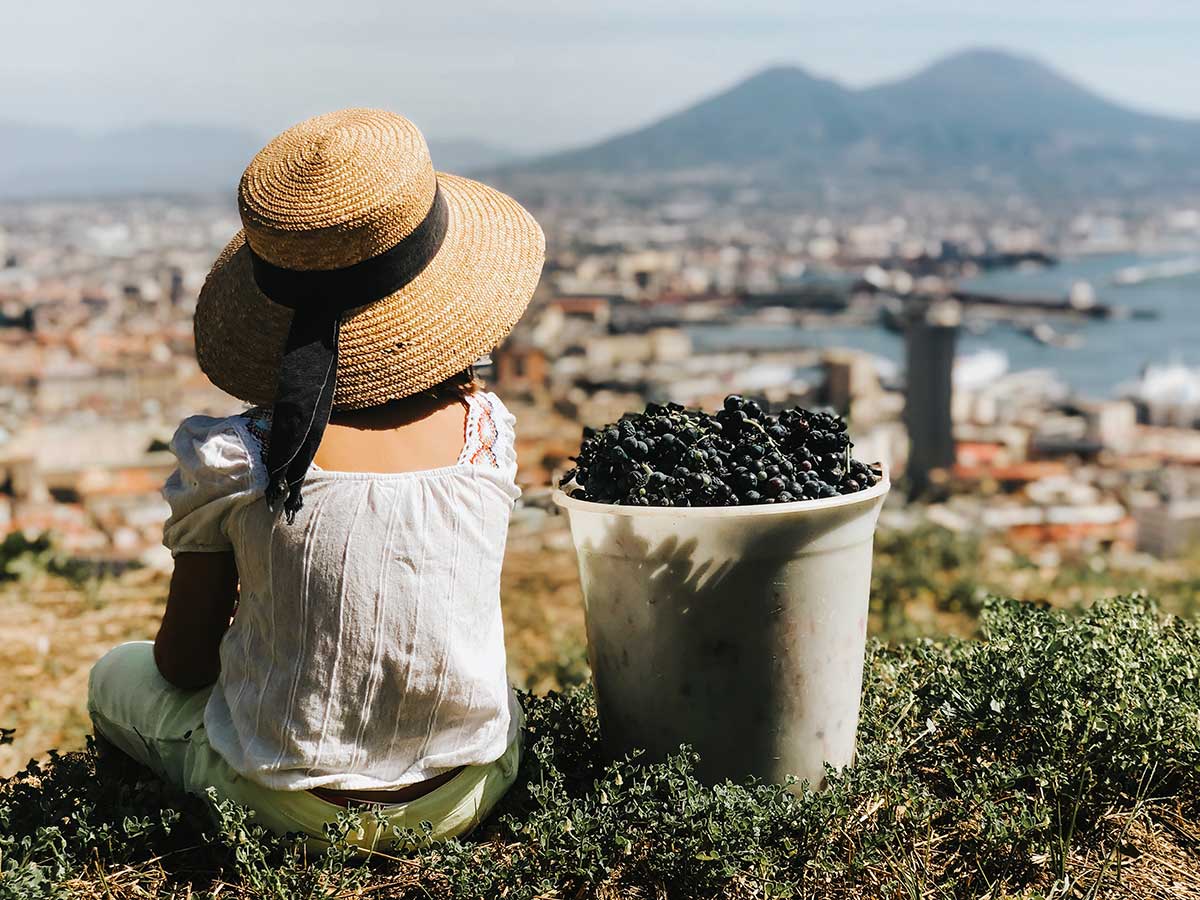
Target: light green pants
161 726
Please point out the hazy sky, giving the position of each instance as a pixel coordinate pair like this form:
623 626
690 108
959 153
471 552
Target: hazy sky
537 75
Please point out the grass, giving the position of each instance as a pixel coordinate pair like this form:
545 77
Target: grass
51 632
931 581
1057 756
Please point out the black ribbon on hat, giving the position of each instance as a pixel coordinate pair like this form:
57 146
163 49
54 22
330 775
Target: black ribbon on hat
308 371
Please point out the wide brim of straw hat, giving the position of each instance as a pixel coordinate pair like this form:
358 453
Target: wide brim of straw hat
458 309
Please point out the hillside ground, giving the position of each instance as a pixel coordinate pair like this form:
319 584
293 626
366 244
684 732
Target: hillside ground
1056 756
925 583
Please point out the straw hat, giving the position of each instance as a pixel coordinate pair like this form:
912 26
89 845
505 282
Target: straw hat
341 189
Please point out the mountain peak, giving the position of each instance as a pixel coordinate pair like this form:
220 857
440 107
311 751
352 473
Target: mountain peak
987 91
736 127
993 70
780 72
996 59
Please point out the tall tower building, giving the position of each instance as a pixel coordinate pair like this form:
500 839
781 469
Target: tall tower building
175 291
931 335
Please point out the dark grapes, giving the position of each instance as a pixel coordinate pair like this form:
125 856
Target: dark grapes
741 455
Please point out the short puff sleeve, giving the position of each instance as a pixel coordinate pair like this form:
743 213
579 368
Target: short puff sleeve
216 474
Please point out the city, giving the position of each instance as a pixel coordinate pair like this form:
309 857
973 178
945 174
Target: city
679 301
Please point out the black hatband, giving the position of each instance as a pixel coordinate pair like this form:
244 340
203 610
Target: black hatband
308 370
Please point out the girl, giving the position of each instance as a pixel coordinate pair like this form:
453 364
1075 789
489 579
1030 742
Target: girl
332 637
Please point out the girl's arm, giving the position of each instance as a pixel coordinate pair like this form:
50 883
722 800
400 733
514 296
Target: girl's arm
204 590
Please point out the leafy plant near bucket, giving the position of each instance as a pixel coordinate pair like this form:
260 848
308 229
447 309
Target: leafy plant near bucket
740 455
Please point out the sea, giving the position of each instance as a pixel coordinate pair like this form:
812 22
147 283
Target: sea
1109 354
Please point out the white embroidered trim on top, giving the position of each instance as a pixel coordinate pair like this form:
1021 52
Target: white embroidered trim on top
482 435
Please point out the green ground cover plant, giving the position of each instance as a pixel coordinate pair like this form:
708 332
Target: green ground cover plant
21 554
1058 756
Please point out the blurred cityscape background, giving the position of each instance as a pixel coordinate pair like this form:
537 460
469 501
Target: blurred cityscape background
990 267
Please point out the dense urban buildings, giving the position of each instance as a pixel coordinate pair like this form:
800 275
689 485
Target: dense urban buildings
687 298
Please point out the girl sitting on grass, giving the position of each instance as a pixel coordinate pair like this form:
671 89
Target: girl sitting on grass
332 637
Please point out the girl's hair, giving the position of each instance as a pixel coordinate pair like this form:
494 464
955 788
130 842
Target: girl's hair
456 387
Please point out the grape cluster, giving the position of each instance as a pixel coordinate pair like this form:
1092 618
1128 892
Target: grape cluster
738 456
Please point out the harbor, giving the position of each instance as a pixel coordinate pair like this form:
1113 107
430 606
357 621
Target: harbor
1149 322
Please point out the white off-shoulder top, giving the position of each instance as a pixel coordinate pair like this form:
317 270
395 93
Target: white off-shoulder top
367 650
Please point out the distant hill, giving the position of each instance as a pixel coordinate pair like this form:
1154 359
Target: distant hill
978 107
986 106
40 161
47 161
780 113
972 116
992 91
467 155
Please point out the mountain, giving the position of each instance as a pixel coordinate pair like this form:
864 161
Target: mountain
49 161
989 106
998 92
780 112
970 117
41 161
976 108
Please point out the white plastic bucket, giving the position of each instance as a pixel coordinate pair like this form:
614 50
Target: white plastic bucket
737 630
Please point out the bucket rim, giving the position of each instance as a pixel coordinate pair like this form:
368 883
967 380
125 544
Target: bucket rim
875 492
